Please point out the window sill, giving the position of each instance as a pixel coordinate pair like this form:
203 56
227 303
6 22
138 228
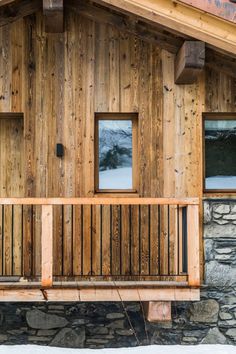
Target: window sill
219 193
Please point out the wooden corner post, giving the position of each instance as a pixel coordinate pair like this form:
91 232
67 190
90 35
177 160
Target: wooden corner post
193 245
47 245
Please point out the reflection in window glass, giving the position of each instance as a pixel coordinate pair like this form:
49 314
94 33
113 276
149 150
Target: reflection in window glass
115 154
220 154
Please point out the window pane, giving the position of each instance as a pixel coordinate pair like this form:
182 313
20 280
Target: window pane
115 154
220 154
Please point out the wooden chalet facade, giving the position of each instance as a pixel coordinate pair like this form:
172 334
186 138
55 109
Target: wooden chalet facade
61 238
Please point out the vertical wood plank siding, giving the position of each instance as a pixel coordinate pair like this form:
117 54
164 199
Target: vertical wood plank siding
59 81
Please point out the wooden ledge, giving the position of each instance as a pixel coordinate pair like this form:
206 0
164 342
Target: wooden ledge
96 294
24 284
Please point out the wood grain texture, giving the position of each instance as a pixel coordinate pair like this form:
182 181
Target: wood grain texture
189 62
181 18
59 82
54 15
47 245
70 295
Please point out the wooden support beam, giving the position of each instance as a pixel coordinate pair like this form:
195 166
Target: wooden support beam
181 18
189 62
95 294
193 245
157 311
54 16
47 245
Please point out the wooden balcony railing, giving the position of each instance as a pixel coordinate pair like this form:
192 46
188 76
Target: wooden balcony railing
134 239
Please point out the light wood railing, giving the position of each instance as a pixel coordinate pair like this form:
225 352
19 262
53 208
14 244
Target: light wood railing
178 225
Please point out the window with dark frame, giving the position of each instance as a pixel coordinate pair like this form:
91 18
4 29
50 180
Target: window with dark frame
219 152
116 152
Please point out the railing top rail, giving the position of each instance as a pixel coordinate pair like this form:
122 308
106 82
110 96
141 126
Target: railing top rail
99 201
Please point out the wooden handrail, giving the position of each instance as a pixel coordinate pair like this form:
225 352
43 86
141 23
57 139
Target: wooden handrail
99 201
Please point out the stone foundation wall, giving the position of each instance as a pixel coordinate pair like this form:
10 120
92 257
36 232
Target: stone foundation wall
96 325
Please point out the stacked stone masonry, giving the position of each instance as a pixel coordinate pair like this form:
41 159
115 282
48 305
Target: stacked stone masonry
98 325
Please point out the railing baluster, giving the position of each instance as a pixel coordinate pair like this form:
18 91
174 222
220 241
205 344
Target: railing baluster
159 239
130 241
168 237
149 240
193 245
101 240
82 240
140 238
178 243
121 230
184 241
111 254
47 245
2 243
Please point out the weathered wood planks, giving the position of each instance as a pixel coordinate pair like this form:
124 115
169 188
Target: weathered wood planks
59 81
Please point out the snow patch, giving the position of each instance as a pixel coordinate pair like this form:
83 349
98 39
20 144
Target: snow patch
221 182
120 178
154 349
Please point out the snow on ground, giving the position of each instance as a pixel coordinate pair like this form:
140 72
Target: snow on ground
120 178
221 182
154 349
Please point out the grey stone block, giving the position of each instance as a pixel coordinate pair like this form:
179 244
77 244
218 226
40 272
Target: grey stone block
231 333
69 338
220 275
38 339
227 323
230 217
115 315
205 311
207 213
209 250
214 336
40 320
46 332
222 257
222 222
225 316
118 324
217 216
214 230
3 337
221 208
189 339
125 332
224 250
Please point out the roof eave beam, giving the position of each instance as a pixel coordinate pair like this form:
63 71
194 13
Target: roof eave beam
182 18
